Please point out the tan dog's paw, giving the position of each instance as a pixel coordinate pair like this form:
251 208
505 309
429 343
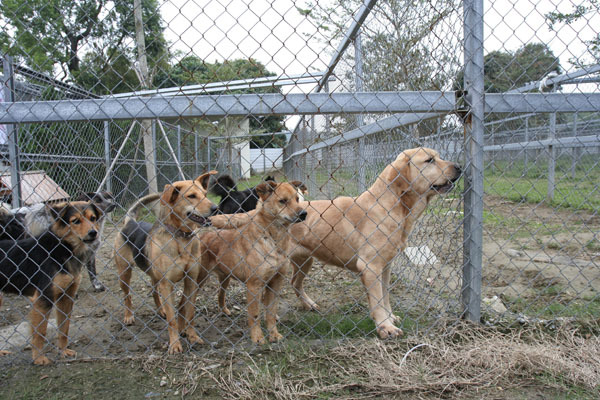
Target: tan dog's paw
162 313
129 320
66 353
194 338
5 352
257 338
226 311
275 336
389 331
42 360
175 347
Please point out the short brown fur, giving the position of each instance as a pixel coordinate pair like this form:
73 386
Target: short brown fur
365 233
173 252
256 254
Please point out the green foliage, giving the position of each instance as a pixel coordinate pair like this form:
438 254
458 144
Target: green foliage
579 11
505 70
45 34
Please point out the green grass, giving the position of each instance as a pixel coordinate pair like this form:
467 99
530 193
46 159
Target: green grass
550 302
514 182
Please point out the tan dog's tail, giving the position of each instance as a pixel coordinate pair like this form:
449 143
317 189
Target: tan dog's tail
132 213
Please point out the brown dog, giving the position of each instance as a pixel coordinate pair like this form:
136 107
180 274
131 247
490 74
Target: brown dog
256 253
168 252
365 233
48 267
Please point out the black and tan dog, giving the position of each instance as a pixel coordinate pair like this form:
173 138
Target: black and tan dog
48 269
256 253
168 251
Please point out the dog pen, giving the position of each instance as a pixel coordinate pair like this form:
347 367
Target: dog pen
515 243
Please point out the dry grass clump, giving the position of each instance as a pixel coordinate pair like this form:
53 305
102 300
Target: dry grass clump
467 359
461 359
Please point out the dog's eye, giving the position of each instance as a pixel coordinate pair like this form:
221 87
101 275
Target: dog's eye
76 221
192 196
297 198
430 160
283 201
93 218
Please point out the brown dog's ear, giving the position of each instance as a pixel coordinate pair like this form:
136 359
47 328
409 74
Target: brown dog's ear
169 195
205 178
300 185
265 189
398 174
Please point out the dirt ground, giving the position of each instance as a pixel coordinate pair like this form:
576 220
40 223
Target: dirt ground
527 248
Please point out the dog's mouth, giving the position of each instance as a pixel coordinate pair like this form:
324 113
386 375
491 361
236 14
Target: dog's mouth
89 240
444 188
198 219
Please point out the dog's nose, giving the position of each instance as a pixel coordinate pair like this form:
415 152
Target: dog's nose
302 215
213 209
92 233
458 169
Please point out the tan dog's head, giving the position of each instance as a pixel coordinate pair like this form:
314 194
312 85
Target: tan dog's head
422 172
280 201
75 222
184 204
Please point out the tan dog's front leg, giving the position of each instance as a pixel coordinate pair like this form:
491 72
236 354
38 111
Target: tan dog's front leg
165 289
372 282
64 307
186 309
38 317
253 292
271 302
224 283
385 284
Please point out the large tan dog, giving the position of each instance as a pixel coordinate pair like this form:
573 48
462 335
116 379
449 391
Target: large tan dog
168 251
365 233
256 253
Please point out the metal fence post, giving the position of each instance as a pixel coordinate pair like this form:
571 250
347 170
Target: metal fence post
179 145
12 135
575 151
196 155
107 155
552 158
526 159
362 185
208 150
473 185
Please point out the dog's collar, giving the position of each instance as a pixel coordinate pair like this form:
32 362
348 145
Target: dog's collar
178 232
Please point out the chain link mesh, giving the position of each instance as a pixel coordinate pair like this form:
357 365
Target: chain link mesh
88 83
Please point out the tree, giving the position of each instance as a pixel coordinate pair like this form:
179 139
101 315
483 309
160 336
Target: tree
401 44
578 12
191 70
505 70
50 34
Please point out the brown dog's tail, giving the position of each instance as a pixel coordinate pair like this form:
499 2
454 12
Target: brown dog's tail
132 213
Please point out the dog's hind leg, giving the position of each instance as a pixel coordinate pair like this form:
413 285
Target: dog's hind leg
301 267
124 269
91 268
67 287
271 301
223 285
38 318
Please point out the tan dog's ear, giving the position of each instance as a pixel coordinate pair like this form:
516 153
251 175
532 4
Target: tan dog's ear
169 195
265 189
59 212
398 174
205 178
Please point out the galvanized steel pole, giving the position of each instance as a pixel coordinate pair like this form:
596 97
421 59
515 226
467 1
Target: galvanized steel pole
12 135
473 185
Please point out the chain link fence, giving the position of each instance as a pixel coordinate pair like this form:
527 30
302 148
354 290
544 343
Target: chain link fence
328 93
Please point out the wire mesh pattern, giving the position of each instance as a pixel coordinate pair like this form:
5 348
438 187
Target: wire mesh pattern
132 98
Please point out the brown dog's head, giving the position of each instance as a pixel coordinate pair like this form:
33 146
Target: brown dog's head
184 204
422 172
75 222
280 201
